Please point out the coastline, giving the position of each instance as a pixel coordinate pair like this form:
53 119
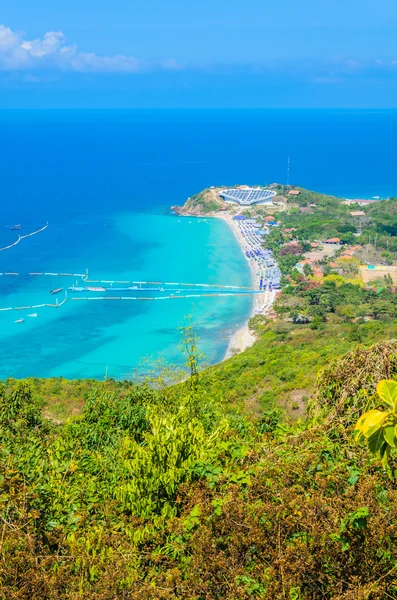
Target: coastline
243 338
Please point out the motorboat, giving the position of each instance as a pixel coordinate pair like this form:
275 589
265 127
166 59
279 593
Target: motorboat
19 320
56 291
34 315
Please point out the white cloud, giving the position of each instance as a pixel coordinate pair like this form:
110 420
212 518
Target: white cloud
52 53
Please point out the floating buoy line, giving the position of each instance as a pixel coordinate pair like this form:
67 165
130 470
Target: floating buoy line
171 293
172 289
23 237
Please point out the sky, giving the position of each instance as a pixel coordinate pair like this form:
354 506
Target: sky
208 54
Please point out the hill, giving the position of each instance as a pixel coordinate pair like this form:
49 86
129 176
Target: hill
174 492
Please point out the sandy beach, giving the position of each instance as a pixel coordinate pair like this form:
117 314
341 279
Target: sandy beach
244 338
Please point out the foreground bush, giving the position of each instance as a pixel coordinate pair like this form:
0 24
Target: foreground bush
163 495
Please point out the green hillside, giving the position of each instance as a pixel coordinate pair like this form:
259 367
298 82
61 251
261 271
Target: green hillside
148 488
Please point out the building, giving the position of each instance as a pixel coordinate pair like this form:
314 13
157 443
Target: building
293 193
357 213
334 240
248 197
358 201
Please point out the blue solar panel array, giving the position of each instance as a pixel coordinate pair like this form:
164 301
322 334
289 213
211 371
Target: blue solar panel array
247 197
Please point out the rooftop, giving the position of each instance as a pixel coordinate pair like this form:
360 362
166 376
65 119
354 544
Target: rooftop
248 197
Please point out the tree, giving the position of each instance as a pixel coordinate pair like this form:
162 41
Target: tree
334 278
347 238
387 257
316 322
347 312
380 308
19 410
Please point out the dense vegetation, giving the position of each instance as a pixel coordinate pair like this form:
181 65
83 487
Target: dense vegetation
173 493
319 217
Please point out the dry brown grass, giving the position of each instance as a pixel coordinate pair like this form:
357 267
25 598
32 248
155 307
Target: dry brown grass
379 272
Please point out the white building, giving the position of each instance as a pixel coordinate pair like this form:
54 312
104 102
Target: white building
248 196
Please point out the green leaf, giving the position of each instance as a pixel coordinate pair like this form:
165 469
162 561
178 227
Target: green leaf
385 457
389 433
370 422
387 391
376 441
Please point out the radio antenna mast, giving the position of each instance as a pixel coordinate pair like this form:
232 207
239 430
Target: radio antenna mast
288 167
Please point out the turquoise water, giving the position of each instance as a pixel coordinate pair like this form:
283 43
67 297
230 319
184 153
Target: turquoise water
82 339
104 180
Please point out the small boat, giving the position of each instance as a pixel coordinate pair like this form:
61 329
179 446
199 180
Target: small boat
33 315
19 321
16 227
56 291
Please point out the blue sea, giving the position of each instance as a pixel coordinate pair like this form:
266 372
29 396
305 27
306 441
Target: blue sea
105 181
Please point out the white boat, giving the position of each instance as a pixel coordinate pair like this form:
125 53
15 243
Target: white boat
33 315
19 321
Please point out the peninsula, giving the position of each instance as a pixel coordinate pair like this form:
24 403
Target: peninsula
287 231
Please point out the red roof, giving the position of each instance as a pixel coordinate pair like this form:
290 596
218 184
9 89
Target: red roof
334 240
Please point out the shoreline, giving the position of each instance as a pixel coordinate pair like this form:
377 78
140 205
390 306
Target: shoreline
244 337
